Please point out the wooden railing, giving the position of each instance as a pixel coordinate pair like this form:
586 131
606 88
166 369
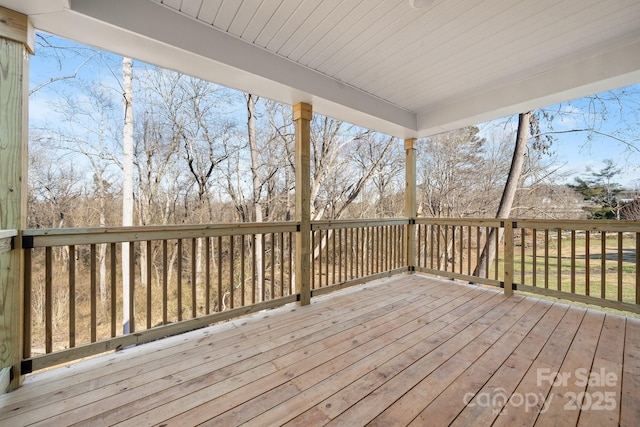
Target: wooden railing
348 252
452 247
181 278
185 277
593 262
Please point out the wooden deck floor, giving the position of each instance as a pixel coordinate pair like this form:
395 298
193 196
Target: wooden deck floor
408 350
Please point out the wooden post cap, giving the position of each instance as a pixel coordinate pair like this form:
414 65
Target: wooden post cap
17 27
303 111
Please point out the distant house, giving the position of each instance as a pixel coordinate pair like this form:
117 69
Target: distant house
550 202
628 196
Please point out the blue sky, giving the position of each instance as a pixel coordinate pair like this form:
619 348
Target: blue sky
589 130
576 151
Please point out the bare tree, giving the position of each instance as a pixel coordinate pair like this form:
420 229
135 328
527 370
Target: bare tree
127 186
509 193
457 173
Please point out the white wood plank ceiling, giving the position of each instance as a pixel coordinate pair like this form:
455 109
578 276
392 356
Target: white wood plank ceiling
379 63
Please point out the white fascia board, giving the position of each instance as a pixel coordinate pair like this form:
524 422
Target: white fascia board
615 68
152 33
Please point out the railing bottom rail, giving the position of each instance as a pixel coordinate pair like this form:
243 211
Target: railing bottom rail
63 356
358 281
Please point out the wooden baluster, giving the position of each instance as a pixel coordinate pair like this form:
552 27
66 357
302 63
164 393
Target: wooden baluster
559 262
603 264
207 275
273 266
114 283
165 282
326 258
496 259
282 264
219 249
72 295
620 267
149 303
232 260
290 263
179 281
194 276
253 269
48 298
508 258
313 259
94 293
637 248
242 268
573 261
523 244
534 251
28 312
587 262
333 257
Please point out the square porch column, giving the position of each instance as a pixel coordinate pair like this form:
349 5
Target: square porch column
410 200
16 43
302 114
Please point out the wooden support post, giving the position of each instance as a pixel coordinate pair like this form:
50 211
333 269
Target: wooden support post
410 200
302 114
508 258
16 41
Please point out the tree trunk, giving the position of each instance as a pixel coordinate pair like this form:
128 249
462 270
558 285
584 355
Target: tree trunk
102 249
508 195
127 186
255 199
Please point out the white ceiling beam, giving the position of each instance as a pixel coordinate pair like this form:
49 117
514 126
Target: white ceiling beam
607 70
200 50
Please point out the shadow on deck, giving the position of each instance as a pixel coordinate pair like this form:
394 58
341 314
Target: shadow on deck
408 350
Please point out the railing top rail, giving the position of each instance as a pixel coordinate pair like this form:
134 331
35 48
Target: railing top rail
582 225
548 224
475 222
91 235
5 234
357 223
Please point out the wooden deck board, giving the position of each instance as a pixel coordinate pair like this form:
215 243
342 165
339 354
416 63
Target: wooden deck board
567 388
407 349
482 408
629 404
444 409
608 359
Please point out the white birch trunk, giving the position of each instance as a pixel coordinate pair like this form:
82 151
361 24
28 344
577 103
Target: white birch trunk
255 173
127 186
